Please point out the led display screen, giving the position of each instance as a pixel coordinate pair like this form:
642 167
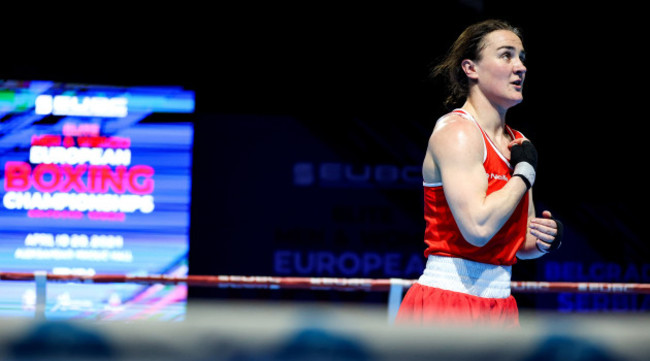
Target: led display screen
95 180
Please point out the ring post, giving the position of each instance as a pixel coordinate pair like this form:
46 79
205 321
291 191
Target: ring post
41 282
394 298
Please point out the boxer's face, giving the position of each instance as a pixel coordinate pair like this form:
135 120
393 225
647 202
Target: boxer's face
500 71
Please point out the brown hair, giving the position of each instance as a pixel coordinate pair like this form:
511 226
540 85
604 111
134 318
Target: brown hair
468 46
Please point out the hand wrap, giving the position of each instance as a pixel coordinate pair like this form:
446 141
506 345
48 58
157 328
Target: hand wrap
524 160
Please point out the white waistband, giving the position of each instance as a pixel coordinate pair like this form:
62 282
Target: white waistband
473 278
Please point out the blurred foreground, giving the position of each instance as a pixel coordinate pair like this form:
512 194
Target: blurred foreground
274 331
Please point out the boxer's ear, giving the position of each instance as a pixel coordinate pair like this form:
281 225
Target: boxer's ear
469 67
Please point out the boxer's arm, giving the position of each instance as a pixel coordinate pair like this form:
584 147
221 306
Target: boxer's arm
528 249
457 149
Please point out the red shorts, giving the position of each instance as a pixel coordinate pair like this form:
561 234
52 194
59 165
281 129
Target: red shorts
424 305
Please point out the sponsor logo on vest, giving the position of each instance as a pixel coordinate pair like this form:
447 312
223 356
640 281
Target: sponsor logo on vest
502 177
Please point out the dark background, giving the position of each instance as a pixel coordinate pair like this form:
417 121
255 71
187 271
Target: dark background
348 84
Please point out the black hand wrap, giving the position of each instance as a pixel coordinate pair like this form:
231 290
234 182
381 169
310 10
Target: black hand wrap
524 160
557 241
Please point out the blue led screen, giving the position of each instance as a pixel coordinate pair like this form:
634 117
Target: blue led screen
95 180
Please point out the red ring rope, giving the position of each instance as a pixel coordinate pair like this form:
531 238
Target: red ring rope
324 283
